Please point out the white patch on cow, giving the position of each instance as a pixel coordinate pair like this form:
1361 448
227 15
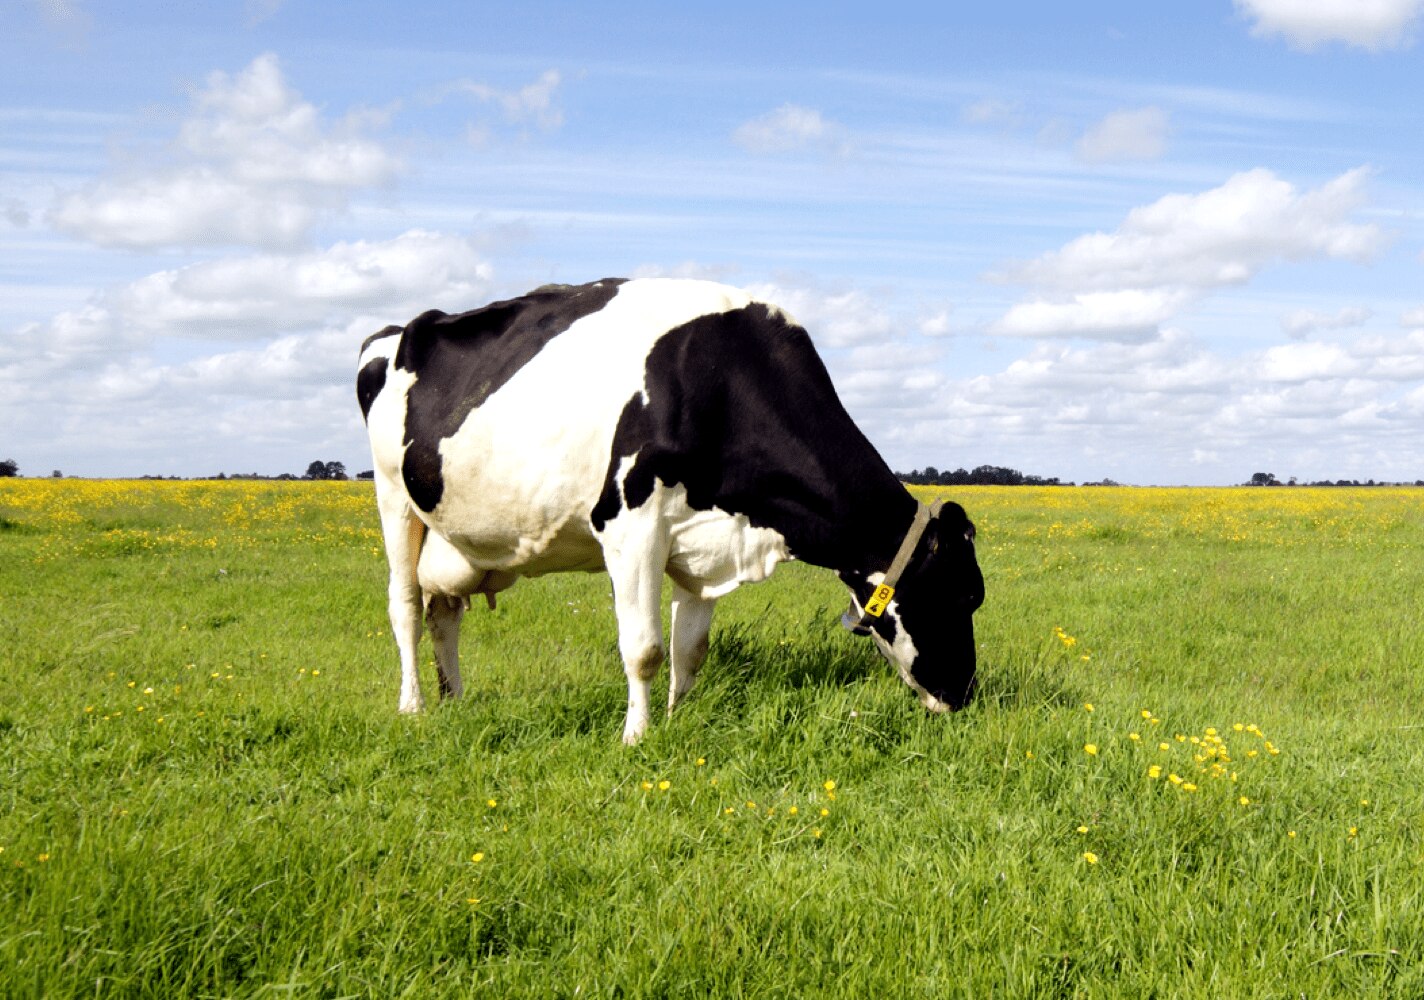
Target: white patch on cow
706 553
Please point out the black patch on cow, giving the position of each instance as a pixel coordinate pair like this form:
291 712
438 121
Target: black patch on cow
460 361
741 411
370 380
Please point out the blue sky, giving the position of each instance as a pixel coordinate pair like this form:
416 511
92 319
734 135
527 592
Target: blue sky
1161 243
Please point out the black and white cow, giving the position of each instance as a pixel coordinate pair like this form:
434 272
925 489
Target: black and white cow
649 427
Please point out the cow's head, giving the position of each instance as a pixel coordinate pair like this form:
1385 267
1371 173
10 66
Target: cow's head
927 630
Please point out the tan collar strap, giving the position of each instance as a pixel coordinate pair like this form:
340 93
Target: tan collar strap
885 590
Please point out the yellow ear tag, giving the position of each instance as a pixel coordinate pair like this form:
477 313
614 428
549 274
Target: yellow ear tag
879 600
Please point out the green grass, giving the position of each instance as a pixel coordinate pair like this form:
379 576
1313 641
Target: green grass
281 832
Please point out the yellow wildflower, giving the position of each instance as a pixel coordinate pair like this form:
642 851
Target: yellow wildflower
1155 771
664 785
1082 829
1090 857
477 857
1091 749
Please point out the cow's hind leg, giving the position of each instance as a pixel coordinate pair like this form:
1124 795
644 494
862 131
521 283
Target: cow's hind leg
443 615
403 533
691 621
637 574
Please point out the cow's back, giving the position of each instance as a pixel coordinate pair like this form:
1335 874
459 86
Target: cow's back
499 423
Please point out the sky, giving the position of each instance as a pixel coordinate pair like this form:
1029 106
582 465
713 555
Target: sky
1164 243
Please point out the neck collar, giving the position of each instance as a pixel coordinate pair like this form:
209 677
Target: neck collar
885 590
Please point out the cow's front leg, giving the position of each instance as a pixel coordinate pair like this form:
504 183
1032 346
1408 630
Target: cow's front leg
637 575
443 615
691 621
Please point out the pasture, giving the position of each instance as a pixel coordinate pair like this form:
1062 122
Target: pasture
1194 768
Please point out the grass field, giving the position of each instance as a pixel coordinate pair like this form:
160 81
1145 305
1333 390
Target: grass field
1196 767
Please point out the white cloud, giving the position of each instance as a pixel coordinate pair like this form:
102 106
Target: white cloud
788 129
937 324
1304 362
256 166
1302 322
1139 134
835 319
1173 409
359 286
1124 284
1127 315
532 104
1307 24
1218 237
1412 317
246 297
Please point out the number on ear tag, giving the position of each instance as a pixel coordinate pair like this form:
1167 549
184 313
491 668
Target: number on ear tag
879 600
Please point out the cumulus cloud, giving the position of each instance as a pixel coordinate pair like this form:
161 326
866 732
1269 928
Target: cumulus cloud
1139 134
356 287
246 297
1412 317
275 338
1182 410
1218 237
1301 322
254 165
1123 284
1130 314
788 129
1308 24
936 324
835 318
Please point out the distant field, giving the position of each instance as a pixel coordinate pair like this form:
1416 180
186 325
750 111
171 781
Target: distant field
1196 767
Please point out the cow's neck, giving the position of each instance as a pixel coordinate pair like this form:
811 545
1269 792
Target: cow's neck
856 529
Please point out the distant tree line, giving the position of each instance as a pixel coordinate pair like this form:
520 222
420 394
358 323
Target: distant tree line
983 475
316 470
1269 479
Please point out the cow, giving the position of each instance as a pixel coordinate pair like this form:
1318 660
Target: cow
647 427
